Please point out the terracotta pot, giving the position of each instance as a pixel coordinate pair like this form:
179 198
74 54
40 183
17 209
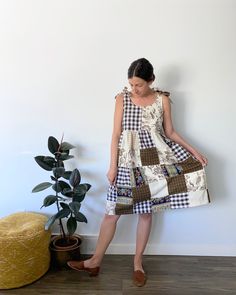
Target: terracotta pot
62 252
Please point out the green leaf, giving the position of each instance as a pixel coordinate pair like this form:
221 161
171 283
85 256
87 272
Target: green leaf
53 178
50 222
60 214
50 160
46 165
75 178
66 146
78 198
42 186
64 156
63 213
64 205
53 144
67 174
64 185
82 188
58 171
56 187
67 192
49 200
71 225
75 207
81 218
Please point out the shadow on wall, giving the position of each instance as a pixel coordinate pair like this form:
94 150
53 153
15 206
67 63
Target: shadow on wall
171 77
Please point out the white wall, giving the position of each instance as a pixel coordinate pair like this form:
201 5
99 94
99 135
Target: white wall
62 62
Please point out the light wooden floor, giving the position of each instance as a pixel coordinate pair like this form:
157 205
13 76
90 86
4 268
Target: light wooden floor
167 275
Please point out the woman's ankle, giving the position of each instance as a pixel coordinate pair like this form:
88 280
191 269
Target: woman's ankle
138 262
92 262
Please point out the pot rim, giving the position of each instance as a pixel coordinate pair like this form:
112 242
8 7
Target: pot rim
54 247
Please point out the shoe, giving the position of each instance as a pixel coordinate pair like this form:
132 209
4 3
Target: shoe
139 278
79 266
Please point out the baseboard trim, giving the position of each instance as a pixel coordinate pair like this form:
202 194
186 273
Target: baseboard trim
89 244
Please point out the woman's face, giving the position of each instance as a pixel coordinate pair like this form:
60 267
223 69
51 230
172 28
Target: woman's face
139 86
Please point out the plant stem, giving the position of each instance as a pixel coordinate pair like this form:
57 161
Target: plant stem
58 208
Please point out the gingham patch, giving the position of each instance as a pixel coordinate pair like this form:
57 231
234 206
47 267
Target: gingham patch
143 207
132 114
123 177
112 193
179 201
180 152
145 139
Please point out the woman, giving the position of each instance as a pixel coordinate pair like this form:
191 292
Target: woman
151 167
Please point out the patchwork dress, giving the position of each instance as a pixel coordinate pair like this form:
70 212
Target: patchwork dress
154 172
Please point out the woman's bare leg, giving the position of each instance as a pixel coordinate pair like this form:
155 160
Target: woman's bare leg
143 231
106 234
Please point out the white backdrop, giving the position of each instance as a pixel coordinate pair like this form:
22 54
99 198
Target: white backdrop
61 64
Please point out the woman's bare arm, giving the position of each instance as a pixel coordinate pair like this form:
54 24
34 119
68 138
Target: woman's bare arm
117 125
173 135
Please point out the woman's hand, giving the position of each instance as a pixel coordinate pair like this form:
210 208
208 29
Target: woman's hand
202 159
111 175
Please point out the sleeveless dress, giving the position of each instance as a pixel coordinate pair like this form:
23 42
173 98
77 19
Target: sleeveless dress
154 172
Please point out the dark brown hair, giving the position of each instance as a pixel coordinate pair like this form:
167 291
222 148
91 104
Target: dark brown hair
141 68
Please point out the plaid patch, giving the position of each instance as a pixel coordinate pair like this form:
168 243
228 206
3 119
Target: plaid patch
132 114
121 209
123 177
176 184
180 152
112 193
143 207
179 201
141 193
190 165
145 139
149 156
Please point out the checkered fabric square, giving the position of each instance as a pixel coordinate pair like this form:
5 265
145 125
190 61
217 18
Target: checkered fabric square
190 165
180 152
112 193
123 177
179 201
145 139
121 209
141 193
176 184
143 207
149 156
131 116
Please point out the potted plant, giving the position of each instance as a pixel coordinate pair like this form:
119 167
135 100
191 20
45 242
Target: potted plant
68 193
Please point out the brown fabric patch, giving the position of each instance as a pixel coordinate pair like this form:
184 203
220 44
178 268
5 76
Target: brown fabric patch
176 184
141 193
190 165
121 209
149 156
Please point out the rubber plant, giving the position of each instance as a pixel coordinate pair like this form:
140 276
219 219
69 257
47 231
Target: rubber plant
68 191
